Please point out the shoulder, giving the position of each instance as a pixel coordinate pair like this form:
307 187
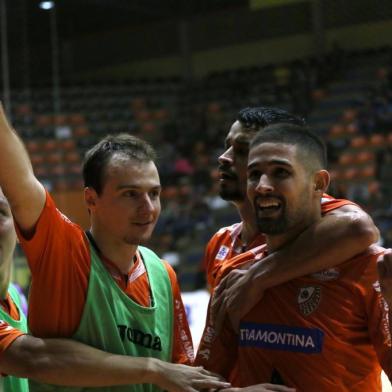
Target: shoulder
224 235
329 203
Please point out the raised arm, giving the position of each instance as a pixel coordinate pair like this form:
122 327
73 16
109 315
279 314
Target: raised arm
67 362
24 192
338 236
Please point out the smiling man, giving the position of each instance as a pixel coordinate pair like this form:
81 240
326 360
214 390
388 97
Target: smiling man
100 287
321 331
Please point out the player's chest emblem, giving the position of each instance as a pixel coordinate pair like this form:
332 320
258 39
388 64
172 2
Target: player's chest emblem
309 299
222 253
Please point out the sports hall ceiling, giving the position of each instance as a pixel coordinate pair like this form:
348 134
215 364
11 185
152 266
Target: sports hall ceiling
76 17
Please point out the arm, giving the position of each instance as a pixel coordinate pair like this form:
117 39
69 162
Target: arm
384 267
23 191
67 362
378 307
348 228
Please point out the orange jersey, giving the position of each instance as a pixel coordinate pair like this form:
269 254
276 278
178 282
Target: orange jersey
226 243
326 331
59 259
7 335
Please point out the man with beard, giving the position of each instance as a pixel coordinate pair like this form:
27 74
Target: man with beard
324 331
100 287
343 224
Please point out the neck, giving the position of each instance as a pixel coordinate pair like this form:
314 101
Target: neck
118 252
5 277
249 228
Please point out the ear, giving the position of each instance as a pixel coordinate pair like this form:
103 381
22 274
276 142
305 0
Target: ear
90 198
321 181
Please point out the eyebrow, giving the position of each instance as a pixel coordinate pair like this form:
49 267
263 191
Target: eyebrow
238 140
276 161
125 186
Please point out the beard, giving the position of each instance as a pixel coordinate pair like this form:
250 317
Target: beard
272 226
234 194
277 224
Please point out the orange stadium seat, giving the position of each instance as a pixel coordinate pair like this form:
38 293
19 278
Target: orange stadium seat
49 145
59 119
358 141
80 131
33 146
67 144
54 157
351 128
72 157
44 120
36 159
368 171
377 140
336 130
365 156
76 119
58 170
350 173
349 115
347 158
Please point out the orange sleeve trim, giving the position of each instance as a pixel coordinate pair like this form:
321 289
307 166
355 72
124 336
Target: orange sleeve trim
182 338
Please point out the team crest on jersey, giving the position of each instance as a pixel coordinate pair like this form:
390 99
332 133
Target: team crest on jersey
309 299
328 274
223 252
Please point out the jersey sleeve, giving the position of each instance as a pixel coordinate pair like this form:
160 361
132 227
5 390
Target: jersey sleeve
378 319
329 203
182 338
208 263
218 352
7 335
59 260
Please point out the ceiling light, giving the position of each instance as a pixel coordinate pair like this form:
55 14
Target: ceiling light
46 5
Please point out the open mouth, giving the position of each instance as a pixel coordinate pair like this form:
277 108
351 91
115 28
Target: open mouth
268 206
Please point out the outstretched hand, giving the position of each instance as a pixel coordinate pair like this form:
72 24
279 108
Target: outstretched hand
384 267
183 378
231 298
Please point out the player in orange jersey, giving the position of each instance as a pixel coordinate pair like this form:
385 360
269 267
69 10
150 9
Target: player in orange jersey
343 224
326 331
101 287
60 361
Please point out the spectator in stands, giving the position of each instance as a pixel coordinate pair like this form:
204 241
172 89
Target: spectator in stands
101 287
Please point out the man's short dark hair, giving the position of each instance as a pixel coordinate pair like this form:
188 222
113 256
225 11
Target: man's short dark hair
97 158
262 116
312 147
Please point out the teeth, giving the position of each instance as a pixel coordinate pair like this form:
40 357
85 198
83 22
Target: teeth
268 203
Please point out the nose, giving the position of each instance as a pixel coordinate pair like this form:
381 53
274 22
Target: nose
227 157
264 185
146 204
